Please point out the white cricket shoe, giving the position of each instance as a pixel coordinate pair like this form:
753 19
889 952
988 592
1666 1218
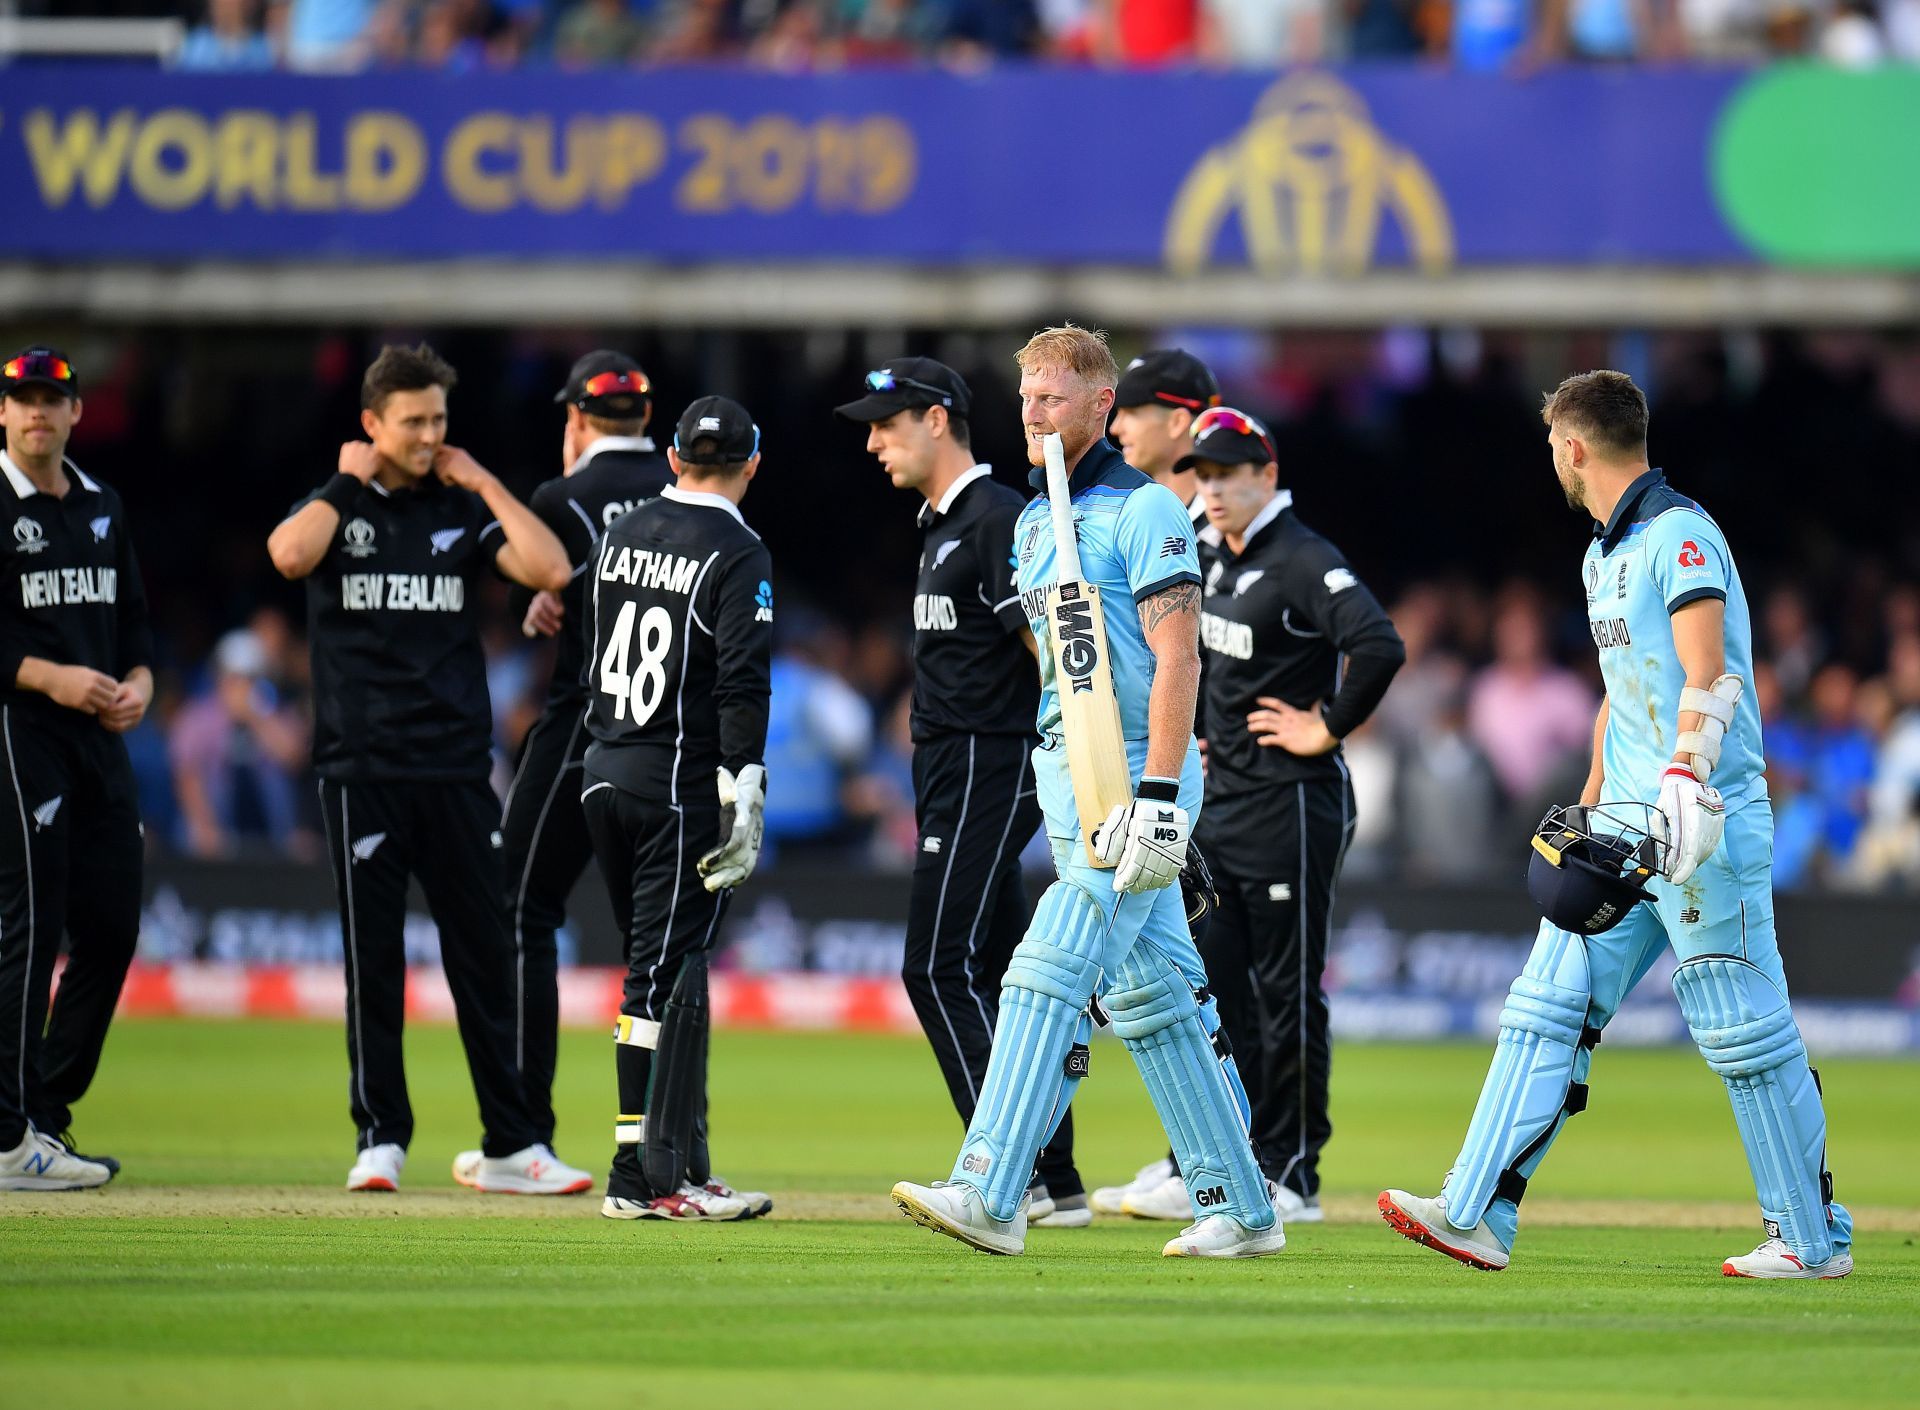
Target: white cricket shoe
41 1163
536 1170
1773 1259
1223 1236
1292 1208
1108 1199
466 1168
1425 1222
377 1169
756 1202
959 1212
687 1205
1039 1202
1166 1200
1069 1212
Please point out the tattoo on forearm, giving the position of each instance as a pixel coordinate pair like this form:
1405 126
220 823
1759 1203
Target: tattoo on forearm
1181 598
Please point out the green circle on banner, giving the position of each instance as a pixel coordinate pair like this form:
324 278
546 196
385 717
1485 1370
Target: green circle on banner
1821 166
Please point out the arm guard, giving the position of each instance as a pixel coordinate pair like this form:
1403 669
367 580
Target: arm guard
1715 706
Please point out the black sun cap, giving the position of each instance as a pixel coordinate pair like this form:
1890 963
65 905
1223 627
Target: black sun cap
719 420
1167 377
609 384
39 366
1223 435
906 383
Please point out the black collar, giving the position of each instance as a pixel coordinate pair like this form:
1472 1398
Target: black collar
1609 532
1102 460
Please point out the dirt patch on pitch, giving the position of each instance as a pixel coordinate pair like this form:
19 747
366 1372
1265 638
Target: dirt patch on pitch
244 1202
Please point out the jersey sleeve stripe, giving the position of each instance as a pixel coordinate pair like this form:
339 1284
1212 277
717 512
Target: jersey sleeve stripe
1184 576
1694 595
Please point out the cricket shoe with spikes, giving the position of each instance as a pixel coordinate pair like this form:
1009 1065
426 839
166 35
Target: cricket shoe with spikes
1773 1259
960 1212
534 1170
1425 1222
1111 1199
687 1205
466 1168
755 1202
41 1163
377 1169
1166 1200
1223 1236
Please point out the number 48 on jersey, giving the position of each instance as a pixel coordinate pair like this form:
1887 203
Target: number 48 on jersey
641 688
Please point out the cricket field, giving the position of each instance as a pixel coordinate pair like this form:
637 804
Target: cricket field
226 1266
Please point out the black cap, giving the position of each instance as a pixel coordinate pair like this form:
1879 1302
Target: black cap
624 396
1228 437
905 383
717 419
1167 377
39 366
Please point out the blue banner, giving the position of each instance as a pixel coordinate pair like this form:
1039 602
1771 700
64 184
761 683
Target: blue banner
1307 172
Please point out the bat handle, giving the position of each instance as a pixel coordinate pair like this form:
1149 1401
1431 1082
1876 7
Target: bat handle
1066 550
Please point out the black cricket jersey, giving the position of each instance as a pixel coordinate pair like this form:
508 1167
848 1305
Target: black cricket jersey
681 612
613 475
393 618
971 674
70 589
1276 620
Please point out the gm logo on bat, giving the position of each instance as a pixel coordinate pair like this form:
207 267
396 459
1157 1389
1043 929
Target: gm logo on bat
1073 629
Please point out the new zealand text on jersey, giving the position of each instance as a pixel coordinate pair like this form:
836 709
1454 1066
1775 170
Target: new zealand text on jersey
1228 637
402 592
643 567
52 587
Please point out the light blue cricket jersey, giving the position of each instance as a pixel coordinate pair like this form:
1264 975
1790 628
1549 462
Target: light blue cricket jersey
1658 552
1136 539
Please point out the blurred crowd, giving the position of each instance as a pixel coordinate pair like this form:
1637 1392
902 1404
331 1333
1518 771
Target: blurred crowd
796 35
1488 725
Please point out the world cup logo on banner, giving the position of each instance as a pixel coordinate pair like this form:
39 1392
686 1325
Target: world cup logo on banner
1311 180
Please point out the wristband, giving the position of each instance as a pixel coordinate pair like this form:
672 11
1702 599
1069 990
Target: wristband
1159 790
340 492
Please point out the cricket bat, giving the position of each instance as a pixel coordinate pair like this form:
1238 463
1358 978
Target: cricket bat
1082 676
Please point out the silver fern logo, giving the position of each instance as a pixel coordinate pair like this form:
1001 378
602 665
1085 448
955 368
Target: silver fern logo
445 539
365 847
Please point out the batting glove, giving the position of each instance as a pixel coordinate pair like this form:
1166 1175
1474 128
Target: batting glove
1694 817
1145 841
744 801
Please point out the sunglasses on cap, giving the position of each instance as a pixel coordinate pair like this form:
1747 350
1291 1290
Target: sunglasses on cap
606 384
885 381
1217 418
28 365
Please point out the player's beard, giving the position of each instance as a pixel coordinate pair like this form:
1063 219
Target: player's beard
1574 488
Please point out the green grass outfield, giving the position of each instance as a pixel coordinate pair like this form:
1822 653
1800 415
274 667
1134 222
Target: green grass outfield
226 1267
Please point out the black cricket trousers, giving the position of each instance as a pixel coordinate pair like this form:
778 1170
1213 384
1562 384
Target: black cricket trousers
1276 859
976 808
447 834
70 862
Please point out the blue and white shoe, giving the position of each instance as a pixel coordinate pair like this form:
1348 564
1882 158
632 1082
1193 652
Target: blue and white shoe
41 1163
959 1212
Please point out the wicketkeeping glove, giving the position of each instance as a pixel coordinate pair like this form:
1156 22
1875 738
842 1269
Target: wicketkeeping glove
1694 818
1145 841
744 800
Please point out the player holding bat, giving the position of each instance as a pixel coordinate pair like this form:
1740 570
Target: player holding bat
1119 783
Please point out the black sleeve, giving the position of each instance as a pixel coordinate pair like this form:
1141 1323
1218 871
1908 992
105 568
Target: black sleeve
134 634
1329 595
743 655
993 551
549 502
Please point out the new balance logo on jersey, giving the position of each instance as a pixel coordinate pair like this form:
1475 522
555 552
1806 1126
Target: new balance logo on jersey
100 527
445 539
1229 638
365 847
1610 633
1173 546
44 815
645 567
933 612
402 592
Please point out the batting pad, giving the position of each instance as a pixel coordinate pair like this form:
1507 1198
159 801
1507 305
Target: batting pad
1043 1001
1538 1067
1155 1015
1746 1032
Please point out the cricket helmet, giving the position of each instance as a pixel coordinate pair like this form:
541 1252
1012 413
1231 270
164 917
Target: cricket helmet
1591 864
